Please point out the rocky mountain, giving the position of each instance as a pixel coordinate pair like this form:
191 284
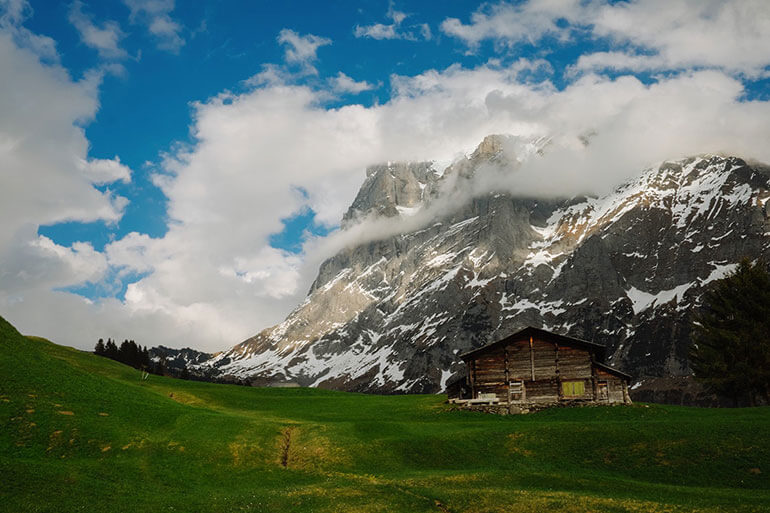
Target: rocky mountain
176 360
625 270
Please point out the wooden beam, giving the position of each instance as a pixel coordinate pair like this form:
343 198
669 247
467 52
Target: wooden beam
559 391
626 395
557 359
532 357
507 376
473 379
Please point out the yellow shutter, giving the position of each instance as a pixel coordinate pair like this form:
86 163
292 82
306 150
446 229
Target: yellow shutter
573 388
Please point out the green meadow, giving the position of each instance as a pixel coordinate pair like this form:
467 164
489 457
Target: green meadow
82 433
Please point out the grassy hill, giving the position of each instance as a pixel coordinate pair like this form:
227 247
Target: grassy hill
83 433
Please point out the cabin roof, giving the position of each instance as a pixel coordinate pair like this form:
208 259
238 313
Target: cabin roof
530 331
616 372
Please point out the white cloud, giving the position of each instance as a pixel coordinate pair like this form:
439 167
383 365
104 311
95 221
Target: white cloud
47 176
376 31
509 24
344 84
156 15
633 125
13 13
102 171
104 39
615 61
129 254
729 35
394 30
302 50
36 262
425 31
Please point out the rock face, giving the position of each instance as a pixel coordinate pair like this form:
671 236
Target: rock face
176 360
625 270
392 189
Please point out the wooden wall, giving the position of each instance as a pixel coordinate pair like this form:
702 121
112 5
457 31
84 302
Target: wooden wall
616 386
574 363
488 374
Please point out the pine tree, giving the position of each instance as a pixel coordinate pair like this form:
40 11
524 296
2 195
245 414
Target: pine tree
111 349
100 348
731 343
145 358
124 353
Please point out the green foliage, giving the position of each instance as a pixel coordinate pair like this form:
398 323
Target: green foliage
731 349
83 433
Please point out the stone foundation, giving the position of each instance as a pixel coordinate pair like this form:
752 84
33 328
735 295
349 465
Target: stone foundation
522 408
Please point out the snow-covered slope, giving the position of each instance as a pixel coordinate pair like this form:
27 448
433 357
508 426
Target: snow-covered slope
624 270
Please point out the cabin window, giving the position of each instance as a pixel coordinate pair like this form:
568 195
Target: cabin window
573 388
604 393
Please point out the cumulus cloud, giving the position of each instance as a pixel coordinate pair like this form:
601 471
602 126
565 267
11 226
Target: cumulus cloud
727 35
733 35
102 171
47 176
615 61
13 13
38 262
302 50
631 125
156 16
509 23
104 39
344 84
394 29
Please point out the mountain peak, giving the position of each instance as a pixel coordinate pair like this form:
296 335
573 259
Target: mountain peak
490 147
392 187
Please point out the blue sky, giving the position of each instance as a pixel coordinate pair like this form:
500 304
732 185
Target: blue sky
183 166
145 108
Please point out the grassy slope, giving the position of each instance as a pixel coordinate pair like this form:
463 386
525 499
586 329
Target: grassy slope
82 433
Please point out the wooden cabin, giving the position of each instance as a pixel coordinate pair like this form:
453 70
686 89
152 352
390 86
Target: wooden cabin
536 368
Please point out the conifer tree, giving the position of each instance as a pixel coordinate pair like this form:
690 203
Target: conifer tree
145 358
100 348
111 349
731 342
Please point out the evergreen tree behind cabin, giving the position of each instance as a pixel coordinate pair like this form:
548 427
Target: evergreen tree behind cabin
731 343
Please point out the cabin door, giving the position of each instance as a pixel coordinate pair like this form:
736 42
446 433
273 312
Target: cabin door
603 391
